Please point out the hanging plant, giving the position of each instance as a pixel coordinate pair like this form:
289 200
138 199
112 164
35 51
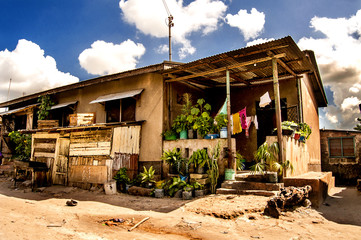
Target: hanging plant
44 107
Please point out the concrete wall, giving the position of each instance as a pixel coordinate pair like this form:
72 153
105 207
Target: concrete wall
295 152
310 116
345 170
149 107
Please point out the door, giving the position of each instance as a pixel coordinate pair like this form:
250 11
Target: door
60 169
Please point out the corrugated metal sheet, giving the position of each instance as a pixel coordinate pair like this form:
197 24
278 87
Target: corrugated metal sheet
116 96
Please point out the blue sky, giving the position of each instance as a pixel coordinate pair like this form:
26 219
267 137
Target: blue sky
47 43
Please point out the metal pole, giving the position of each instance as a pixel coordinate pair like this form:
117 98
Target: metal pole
276 89
170 25
231 162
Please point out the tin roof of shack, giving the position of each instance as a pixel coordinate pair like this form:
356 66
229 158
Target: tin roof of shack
248 66
251 66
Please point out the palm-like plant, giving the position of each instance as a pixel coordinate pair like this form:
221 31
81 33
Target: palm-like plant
267 160
148 175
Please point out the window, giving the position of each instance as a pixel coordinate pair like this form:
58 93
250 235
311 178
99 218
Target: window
112 109
341 147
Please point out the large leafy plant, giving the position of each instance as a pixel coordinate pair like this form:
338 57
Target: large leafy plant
22 143
199 158
148 175
44 107
121 176
266 157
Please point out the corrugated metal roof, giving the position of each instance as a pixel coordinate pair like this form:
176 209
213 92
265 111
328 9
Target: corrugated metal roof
62 105
18 109
116 96
247 66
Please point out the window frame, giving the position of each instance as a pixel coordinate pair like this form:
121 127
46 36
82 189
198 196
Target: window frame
342 149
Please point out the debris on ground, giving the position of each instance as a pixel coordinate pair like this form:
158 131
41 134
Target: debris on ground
287 198
71 203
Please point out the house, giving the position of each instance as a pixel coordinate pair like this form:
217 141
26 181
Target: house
340 154
111 121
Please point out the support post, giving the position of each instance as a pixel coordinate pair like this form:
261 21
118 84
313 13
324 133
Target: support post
231 162
276 90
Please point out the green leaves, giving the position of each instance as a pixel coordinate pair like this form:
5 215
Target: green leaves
199 158
22 143
44 107
147 176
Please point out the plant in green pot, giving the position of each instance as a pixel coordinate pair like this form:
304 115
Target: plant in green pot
169 135
181 126
200 118
199 158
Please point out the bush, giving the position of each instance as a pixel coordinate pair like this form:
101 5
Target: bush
22 143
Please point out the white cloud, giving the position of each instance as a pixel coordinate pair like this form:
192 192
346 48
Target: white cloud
107 58
30 71
149 17
250 24
162 49
259 41
331 118
339 61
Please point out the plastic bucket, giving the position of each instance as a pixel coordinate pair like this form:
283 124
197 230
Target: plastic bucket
183 134
110 187
223 132
229 174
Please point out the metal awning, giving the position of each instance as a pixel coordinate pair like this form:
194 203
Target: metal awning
116 96
62 105
18 109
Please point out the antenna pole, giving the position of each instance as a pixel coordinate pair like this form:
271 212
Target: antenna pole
170 25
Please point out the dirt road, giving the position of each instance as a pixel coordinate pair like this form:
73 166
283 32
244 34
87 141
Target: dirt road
44 215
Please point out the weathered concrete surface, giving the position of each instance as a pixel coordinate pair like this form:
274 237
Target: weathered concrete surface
321 183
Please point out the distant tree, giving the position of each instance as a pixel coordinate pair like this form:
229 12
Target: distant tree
358 126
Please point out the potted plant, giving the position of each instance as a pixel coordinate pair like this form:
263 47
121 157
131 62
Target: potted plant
181 126
148 177
174 186
221 124
187 192
305 130
173 159
266 157
122 179
199 158
169 135
240 161
201 119
212 165
198 189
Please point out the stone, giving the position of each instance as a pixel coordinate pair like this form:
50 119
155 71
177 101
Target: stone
139 191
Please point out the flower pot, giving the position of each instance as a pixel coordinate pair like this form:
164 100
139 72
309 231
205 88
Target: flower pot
187 195
229 174
199 193
159 193
223 133
287 132
183 134
178 194
190 134
199 136
170 137
297 136
302 138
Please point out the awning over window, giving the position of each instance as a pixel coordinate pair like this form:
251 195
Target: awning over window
18 109
62 105
116 96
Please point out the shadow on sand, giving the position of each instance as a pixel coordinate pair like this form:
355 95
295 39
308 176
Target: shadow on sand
343 206
137 203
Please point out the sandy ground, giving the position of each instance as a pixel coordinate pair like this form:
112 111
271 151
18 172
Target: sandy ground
44 215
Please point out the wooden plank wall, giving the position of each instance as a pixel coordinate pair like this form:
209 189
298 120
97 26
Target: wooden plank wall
126 140
90 143
89 157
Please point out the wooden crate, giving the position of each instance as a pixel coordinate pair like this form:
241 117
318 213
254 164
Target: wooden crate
43 124
82 119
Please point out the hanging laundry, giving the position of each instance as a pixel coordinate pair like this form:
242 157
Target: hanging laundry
231 123
249 121
237 128
243 116
265 100
255 121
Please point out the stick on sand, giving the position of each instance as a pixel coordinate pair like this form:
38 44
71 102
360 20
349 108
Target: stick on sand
136 225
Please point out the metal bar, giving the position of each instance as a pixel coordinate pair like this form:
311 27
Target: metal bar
276 90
